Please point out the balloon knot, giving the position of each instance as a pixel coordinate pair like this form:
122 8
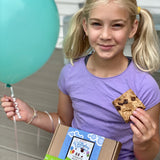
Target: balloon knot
8 85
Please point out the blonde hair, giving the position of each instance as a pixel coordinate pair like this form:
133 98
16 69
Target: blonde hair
145 47
75 42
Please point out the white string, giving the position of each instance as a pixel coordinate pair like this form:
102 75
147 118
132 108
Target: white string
12 92
14 120
16 136
38 137
15 103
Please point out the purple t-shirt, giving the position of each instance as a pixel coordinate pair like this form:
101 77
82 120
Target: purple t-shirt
92 100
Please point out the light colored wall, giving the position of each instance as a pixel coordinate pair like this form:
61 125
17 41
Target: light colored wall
66 7
151 5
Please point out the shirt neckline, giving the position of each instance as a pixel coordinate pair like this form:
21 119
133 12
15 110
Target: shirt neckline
85 60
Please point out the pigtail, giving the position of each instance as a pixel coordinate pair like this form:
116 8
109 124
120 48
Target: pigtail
145 48
75 42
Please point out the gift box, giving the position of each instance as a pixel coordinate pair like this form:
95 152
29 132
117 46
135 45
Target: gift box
72 144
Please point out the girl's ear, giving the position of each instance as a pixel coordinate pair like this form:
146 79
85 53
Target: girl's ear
85 26
134 29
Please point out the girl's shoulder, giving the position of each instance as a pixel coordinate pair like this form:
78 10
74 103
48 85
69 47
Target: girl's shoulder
75 67
76 63
141 78
69 74
144 85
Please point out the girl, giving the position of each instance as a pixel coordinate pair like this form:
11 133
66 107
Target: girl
92 81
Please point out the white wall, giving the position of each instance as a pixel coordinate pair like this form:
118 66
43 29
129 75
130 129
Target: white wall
66 7
152 5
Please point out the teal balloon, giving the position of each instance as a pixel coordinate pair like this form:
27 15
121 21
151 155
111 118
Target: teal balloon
29 31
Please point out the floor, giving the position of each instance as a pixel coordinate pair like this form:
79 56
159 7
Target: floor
40 91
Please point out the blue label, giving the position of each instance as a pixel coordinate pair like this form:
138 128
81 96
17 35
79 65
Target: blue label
81 145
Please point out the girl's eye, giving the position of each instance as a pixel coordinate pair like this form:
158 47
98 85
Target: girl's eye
95 24
117 25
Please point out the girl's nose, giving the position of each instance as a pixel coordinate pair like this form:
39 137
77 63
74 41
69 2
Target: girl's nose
106 33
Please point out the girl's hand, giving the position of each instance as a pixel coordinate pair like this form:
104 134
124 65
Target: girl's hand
143 127
25 110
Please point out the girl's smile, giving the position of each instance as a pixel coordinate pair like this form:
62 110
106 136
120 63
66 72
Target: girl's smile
106 48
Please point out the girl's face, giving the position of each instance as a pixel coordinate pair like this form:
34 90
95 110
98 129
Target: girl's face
108 28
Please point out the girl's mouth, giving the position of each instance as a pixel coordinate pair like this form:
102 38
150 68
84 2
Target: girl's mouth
106 47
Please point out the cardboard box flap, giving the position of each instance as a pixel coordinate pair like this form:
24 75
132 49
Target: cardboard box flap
57 140
110 150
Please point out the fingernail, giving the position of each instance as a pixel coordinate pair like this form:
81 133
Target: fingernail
138 109
131 117
7 100
134 112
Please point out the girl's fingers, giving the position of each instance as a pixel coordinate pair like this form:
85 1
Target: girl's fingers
10 114
143 126
142 119
135 130
6 99
7 104
9 109
12 108
138 125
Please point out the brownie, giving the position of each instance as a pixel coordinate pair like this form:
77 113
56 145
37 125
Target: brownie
127 103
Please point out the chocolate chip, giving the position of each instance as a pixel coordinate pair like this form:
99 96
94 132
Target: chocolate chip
125 101
133 98
140 107
121 104
118 108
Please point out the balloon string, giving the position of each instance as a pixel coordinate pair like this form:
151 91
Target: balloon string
14 101
14 119
16 136
12 92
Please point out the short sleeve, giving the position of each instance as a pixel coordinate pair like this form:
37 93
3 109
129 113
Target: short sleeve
63 79
149 92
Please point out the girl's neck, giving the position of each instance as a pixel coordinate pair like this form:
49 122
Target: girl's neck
107 68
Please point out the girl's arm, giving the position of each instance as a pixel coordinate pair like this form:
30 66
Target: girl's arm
145 129
41 120
65 110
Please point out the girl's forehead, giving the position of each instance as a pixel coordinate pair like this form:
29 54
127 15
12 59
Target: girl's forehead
111 9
